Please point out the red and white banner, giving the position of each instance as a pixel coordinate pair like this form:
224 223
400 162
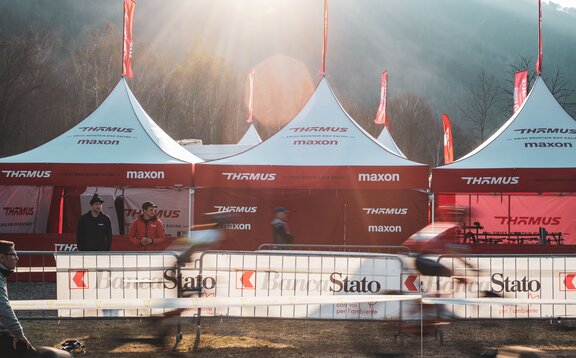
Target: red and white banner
325 42
520 88
503 180
129 6
250 97
87 174
523 213
24 208
539 60
311 177
448 140
381 117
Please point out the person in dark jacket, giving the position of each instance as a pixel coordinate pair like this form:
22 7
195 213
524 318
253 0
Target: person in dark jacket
280 233
94 231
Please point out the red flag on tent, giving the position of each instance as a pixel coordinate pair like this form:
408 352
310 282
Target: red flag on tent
325 42
539 60
250 97
448 142
129 6
520 88
381 117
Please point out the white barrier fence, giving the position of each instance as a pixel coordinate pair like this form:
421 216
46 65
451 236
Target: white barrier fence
533 278
274 276
234 274
281 273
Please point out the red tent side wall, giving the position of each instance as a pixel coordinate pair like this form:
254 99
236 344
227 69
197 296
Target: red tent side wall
506 213
322 217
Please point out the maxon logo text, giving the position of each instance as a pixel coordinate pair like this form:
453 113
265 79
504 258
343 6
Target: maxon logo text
379 177
144 174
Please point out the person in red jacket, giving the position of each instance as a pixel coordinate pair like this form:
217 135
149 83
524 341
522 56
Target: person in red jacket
147 231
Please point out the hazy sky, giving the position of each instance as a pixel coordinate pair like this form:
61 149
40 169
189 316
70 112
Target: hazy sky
563 3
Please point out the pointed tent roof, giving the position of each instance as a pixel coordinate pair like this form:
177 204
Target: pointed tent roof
116 145
251 136
534 151
386 139
322 147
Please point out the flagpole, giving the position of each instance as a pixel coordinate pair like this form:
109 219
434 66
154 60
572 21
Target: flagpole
325 42
123 37
251 76
539 60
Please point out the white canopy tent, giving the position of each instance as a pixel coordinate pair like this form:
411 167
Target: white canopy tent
116 146
341 185
522 178
386 139
534 151
209 152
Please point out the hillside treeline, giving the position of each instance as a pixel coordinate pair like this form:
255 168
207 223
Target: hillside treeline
47 87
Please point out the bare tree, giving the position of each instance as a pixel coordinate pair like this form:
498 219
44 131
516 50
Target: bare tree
560 88
417 132
27 68
479 107
95 67
206 88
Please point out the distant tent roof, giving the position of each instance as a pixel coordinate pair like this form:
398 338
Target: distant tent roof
208 152
117 145
386 139
534 151
322 147
251 136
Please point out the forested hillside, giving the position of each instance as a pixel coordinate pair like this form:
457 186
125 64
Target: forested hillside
60 58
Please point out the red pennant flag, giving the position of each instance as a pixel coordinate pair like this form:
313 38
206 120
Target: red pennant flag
250 97
539 60
448 142
381 117
520 88
325 42
129 6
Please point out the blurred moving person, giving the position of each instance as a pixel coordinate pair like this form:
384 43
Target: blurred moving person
280 233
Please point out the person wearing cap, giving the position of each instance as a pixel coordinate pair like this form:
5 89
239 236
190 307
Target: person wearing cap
147 231
94 230
280 233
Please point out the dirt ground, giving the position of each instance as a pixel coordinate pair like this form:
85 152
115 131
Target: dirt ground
250 337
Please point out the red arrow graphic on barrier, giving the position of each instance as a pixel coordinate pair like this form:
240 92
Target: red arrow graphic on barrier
569 281
409 283
245 279
78 279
